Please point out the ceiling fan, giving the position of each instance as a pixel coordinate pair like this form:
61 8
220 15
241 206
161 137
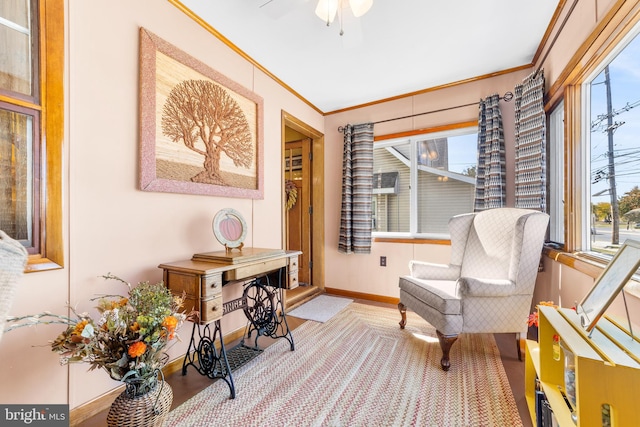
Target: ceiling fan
325 9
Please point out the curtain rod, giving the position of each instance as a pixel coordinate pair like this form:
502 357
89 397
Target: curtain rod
507 97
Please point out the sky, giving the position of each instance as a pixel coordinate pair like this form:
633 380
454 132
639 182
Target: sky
624 75
462 152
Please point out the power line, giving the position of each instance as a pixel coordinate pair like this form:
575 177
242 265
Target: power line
595 125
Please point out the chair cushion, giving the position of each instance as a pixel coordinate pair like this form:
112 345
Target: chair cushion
438 294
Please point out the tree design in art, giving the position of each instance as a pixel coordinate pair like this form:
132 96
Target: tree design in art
200 110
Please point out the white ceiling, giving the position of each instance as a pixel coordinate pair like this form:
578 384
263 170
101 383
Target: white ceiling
398 47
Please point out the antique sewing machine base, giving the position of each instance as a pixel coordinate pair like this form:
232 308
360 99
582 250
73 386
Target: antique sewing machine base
261 301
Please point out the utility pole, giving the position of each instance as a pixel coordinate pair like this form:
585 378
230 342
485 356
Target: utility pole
615 211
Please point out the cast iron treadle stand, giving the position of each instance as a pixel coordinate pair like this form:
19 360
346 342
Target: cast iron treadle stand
263 306
209 361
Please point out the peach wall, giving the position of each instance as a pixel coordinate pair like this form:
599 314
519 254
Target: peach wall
112 226
362 273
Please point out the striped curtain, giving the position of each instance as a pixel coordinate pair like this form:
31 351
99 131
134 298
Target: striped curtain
357 189
490 171
530 132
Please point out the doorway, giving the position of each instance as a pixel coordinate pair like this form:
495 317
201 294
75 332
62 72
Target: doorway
303 204
298 195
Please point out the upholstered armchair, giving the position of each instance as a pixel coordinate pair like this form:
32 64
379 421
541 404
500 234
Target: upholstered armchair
488 284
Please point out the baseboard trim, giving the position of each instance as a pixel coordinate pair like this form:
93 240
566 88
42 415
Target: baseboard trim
93 407
101 403
360 295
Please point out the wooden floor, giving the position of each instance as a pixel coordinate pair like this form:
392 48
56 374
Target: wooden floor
187 386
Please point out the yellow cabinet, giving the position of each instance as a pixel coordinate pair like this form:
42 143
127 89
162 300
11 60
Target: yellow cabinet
605 371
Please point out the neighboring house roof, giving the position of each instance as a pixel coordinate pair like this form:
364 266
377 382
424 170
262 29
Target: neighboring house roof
435 171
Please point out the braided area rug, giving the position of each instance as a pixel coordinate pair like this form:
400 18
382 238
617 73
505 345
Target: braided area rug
360 369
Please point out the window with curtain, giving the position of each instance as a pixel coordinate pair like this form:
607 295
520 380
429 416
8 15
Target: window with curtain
611 158
31 64
421 181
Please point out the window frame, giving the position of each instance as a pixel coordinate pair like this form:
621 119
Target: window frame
412 235
48 80
612 33
35 160
555 170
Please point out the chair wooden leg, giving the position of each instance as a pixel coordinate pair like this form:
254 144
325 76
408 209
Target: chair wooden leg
446 341
403 314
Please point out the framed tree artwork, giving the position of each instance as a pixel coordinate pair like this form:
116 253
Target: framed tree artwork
200 132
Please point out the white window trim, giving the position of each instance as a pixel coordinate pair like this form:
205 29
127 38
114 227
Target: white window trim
413 203
556 174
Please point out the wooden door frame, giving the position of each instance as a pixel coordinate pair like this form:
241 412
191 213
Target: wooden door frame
301 206
317 195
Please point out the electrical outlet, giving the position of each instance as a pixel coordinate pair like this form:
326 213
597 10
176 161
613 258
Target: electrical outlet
383 261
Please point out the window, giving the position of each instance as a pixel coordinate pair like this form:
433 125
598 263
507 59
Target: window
31 94
556 174
18 124
611 123
421 181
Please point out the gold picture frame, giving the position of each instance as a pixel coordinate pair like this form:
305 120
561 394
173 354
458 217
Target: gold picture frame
200 132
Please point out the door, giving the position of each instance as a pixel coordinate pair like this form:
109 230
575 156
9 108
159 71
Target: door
297 175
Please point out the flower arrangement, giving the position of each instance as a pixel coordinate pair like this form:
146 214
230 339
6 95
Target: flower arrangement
128 340
534 318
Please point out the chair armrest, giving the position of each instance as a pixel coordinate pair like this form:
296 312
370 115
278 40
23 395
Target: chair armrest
469 286
428 270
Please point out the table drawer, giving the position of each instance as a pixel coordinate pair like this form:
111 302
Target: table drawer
179 282
211 310
293 280
255 269
293 263
211 285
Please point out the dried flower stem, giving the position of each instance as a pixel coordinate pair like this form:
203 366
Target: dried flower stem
36 319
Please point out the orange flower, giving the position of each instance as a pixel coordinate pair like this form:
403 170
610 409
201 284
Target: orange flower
79 327
137 349
533 319
135 327
170 323
118 304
